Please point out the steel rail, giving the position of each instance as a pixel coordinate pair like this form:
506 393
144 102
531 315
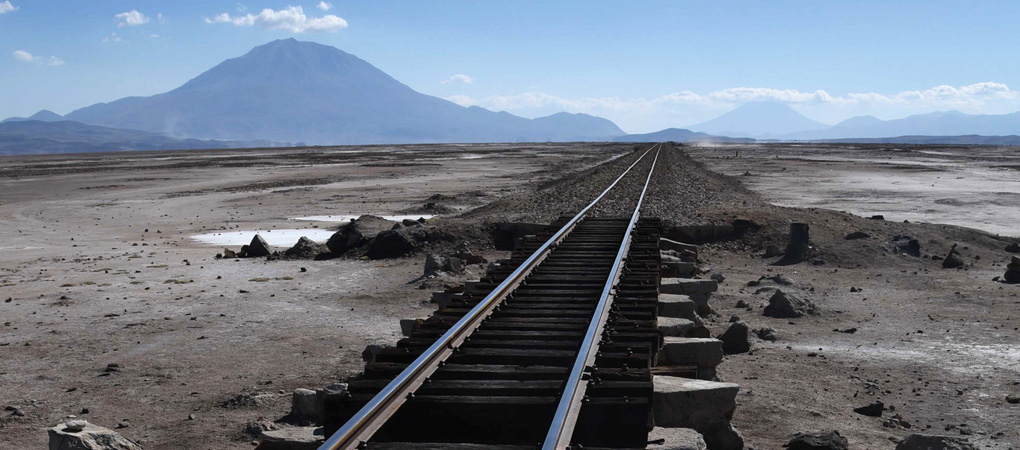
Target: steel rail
360 428
562 428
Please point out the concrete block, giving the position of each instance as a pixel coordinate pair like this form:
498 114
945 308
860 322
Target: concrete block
678 269
687 286
705 406
661 438
683 351
305 405
408 326
672 326
674 305
669 244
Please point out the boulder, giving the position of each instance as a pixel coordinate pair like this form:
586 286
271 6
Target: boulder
258 248
435 263
771 251
931 442
906 244
705 406
871 410
1013 248
1013 270
661 438
292 438
409 223
857 235
735 340
392 244
766 334
787 305
953 260
86 436
822 440
305 249
346 238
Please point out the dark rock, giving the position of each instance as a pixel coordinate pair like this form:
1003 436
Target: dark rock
953 260
846 330
305 249
797 248
1013 399
766 334
822 440
1013 248
228 253
346 238
735 339
857 235
741 304
1013 271
734 318
877 217
872 410
392 244
409 223
718 277
435 263
771 251
906 244
787 305
928 442
258 248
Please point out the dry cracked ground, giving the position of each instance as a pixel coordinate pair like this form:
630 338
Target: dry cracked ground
112 312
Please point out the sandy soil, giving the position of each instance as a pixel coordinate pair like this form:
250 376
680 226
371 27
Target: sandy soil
937 345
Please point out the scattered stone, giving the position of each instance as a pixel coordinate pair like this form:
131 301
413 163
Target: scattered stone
346 238
857 235
228 253
872 410
846 330
929 442
661 438
766 334
741 304
771 251
258 247
75 425
735 340
1013 248
255 427
734 318
123 424
877 217
305 249
87 437
1013 399
409 223
192 417
718 277
822 440
953 260
906 244
787 305
436 263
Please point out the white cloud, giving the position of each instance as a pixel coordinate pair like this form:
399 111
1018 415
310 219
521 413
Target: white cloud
131 18
112 38
160 18
458 79
154 36
681 108
22 55
325 6
6 7
292 19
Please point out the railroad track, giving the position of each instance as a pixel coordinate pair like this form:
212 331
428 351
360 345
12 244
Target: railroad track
556 355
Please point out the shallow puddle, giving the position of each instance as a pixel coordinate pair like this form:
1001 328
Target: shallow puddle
347 218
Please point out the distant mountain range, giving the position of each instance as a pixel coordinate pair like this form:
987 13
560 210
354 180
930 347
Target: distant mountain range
25 137
759 120
680 135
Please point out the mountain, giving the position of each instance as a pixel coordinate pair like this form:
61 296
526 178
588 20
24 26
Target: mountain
759 119
289 90
971 139
858 122
42 116
679 135
942 123
29 137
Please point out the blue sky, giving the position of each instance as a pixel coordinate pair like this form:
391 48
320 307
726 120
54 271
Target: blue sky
645 65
